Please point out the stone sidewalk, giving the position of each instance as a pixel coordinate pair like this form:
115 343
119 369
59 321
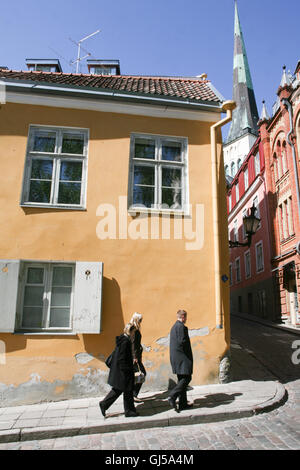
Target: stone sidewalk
212 403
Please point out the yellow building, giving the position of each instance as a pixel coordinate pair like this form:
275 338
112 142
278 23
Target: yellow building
111 203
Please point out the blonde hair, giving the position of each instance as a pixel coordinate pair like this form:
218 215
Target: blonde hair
128 329
136 320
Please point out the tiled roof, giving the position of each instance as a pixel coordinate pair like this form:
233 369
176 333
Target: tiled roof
177 87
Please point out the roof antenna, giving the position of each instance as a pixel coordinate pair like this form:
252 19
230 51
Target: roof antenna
77 61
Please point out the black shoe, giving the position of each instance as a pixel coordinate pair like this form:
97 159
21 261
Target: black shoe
102 408
172 403
131 414
188 406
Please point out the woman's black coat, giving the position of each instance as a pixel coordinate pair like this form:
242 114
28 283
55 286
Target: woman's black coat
181 355
121 375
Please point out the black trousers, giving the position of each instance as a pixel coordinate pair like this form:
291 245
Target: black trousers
180 389
112 396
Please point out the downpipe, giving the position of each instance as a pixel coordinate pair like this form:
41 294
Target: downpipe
228 107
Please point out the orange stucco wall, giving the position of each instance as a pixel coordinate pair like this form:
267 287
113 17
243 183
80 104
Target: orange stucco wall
154 277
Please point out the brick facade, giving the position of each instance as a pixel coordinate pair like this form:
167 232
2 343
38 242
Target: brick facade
279 202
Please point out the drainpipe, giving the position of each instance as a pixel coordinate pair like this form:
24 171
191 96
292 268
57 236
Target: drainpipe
228 106
287 104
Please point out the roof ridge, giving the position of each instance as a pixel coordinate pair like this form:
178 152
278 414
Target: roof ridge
152 77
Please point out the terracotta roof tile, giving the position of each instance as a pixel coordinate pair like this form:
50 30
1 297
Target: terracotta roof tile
183 88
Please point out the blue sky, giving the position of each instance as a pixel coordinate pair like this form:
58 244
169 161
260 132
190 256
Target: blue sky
158 37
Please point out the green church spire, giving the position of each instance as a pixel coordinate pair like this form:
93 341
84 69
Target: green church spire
245 116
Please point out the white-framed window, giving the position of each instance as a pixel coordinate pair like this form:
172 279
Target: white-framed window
247 264
244 231
235 231
158 174
237 192
230 274
56 167
246 179
257 212
257 164
48 297
229 202
259 256
237 270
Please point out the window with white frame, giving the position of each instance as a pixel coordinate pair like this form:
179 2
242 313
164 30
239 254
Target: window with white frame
246 179
244 231
229 202
158 172
46 296
247 265
56 167
257 164
237 270
50 297
235 231
230 274
257 212
237 192
259 257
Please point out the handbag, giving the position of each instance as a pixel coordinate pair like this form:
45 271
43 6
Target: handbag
108 360
139 377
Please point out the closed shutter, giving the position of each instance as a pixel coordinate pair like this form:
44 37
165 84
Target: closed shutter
87 297
9 282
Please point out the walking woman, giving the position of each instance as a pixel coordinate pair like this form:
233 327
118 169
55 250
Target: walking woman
121 374
137 351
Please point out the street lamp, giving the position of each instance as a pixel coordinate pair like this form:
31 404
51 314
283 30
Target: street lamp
251 223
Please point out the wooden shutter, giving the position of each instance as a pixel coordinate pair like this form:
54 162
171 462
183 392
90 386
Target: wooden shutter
9 283
87 297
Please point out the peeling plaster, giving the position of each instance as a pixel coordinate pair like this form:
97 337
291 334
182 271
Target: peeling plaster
84 358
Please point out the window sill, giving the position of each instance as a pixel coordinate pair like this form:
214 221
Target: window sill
144 210
53 206
45 333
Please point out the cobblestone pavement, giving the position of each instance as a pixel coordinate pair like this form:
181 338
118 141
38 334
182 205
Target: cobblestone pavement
275 430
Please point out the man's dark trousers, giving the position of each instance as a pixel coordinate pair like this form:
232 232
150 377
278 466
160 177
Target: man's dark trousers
180 389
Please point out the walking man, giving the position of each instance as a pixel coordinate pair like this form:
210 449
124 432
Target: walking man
181 358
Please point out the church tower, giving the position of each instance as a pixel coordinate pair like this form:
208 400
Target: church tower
243 130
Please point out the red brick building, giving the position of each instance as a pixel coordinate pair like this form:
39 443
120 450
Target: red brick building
265 279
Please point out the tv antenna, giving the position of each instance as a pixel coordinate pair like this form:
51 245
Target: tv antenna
78 43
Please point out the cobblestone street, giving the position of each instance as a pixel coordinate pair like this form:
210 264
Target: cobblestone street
276 430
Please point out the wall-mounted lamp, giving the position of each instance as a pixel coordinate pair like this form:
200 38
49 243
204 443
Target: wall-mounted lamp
251 223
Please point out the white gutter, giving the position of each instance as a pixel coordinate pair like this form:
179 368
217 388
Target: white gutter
228 106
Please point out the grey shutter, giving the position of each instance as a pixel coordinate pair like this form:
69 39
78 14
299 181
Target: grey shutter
87 297
9 283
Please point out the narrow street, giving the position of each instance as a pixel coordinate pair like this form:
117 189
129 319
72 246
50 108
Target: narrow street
267 351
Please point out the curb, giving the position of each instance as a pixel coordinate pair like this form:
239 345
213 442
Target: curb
29 434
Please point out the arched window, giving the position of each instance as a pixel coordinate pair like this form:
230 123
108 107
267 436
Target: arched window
275 161
232 169
279 161
284 158
226 169
239 163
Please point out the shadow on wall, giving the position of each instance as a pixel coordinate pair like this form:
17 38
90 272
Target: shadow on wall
96 345
100 346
